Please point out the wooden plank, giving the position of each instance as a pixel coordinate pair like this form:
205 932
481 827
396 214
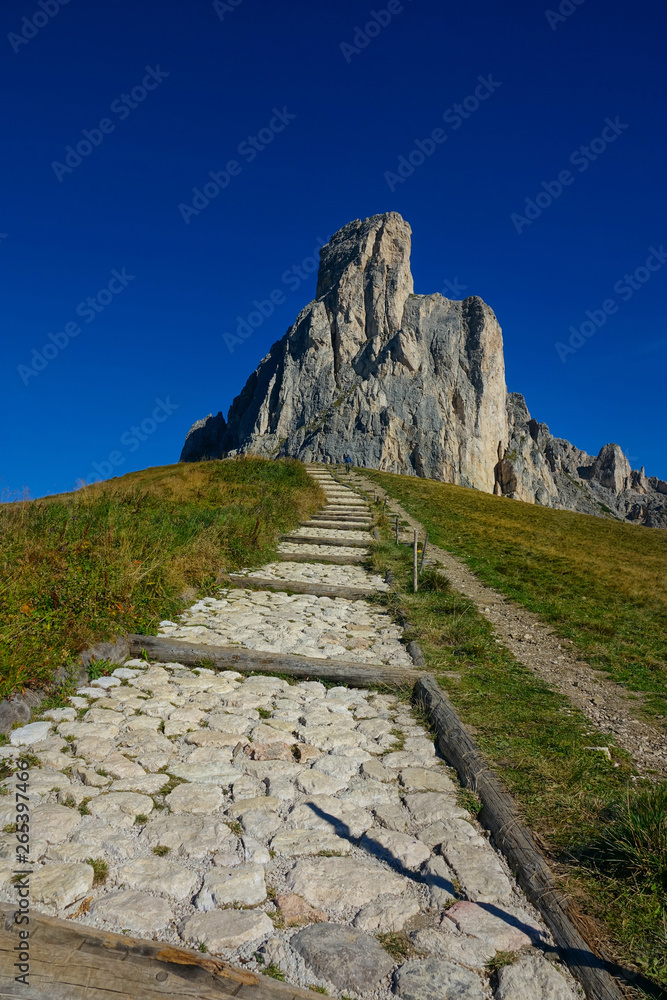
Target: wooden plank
308 540
301 587
340 513
347 504
69 961
500 815
166 650
338 525
322 557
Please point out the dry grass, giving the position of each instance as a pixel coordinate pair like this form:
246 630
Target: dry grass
120 556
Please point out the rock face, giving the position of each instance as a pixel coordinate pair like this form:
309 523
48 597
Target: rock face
542 469
413 384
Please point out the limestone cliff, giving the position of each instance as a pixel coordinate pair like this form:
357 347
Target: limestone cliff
412 384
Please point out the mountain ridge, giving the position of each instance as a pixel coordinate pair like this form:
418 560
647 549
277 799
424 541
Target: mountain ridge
413 384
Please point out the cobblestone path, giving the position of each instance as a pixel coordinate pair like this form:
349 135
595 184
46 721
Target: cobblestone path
306 831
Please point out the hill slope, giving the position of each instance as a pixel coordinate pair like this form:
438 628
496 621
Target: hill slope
597 582
120 556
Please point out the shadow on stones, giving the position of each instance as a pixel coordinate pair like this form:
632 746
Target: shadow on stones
572 957
428 880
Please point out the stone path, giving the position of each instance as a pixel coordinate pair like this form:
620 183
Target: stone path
306 831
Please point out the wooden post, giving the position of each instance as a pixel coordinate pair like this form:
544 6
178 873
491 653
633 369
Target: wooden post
421 565
397 529
414 564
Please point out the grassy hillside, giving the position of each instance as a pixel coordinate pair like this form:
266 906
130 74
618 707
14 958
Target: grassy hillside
120 556
599 582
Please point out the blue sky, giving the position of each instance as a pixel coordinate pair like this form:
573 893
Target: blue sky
305 120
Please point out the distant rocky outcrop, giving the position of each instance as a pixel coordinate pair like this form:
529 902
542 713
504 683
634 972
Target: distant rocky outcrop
413 384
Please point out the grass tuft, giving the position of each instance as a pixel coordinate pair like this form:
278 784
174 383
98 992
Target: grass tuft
500 960
397 944
274 972
100 869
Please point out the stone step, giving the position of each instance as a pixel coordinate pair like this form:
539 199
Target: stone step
336 525
314 540
349 508
350 519
338 515
306 557
301 587
355 512
344 505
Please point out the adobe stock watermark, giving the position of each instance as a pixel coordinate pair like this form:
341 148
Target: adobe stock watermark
379 20
88 310
31 26
131 440
581 158
453 289
249 149
223 7
565 10
625 288
121 107
454 117
293 278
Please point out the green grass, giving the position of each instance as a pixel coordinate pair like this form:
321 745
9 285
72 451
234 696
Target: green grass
100 869
121 556
274 972
501 959
397 944
536 740
596 581
171 783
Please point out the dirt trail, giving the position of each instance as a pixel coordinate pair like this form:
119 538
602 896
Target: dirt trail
608 705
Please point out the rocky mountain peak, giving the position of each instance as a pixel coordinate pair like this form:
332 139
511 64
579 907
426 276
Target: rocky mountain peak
413 384
364 280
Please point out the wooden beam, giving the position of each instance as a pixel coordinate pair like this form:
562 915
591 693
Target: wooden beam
339 520
343 511
314 540
338 525
246 661
301 587
321 557
70 961
339 513
356 505
501 816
